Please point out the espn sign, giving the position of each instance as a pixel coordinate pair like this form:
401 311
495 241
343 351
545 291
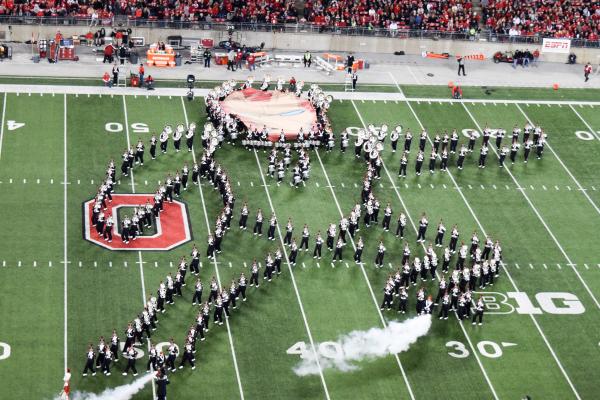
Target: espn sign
556 45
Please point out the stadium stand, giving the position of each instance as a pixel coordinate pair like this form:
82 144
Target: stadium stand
578 19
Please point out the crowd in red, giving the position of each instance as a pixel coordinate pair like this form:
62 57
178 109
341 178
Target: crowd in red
557 18
258 11
441 15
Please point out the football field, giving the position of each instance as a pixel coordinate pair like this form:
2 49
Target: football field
60 292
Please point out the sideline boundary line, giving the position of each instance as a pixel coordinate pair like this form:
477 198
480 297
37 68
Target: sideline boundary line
65 237
180 92
2 126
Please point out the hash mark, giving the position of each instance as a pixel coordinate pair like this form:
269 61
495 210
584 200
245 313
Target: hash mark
347 266
318 265
558 265
110 264
125 264
303 265
517 266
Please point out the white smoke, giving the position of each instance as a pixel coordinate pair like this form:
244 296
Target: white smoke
363 345
124 392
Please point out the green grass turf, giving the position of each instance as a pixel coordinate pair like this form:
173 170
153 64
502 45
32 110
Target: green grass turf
105 289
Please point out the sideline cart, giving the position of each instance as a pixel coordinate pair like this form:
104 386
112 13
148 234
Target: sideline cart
160 55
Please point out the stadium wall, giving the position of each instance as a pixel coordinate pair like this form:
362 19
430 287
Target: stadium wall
313 42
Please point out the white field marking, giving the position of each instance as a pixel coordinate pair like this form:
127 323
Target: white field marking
35 263
332 265
530 266
415 229
65 258
586 266
558 265
545 266
140 261
508 274
234 357
128 141
125 264
568 188
303 265
506 270
110 264
308 331
563 164
383 322
2 127
347 266
80 264
544 222
19 263
517 266
590 129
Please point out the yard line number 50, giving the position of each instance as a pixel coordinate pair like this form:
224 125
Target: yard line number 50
136 127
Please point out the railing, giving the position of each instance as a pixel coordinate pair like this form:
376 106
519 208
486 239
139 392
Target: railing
122 21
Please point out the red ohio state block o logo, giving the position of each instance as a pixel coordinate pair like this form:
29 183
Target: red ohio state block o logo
172 229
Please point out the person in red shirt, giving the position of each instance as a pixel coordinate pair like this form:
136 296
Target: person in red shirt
251 60
587 70
150 82
108 54
456 92
106 79
141 73
238 59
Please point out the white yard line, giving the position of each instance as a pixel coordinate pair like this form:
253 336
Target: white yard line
563 164
468 205
65 238
128 141
508 273
473 350
2 127
140 260
308 331
537 213
592 131
229 335
384 323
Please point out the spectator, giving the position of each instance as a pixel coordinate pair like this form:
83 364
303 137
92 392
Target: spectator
393 29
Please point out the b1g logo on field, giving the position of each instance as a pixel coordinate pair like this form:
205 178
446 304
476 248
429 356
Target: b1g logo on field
172 229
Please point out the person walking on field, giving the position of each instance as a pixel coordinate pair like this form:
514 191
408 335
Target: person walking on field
461 65
587 70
